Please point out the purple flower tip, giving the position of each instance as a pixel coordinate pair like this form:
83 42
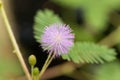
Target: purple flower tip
57 38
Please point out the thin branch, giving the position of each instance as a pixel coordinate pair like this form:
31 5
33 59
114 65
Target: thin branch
112 39
15 45
62 69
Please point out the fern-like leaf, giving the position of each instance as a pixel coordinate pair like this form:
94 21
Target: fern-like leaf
43 19
87 52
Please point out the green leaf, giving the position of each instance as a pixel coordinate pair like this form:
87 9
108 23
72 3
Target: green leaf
43 19
87 52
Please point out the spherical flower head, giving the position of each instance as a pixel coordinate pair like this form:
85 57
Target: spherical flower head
57 38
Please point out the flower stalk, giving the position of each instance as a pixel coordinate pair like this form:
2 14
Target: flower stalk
47 62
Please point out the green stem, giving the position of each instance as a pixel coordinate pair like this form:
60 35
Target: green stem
50 60
112 39
14 42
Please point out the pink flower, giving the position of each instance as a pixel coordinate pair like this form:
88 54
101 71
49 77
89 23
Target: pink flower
57 38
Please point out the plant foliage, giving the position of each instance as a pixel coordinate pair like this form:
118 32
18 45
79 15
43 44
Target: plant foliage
87 52
43 19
